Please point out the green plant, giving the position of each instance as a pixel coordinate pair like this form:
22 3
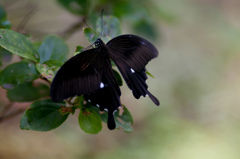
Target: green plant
41 60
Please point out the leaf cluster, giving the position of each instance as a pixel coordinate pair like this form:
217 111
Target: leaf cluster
41 60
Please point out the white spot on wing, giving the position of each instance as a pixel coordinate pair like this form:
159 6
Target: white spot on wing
143 43
132 70
97 105
101 85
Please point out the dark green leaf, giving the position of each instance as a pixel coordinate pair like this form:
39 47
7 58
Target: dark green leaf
27 92
143 27
118 77
90 35
123 8
78 7
18 73
3 13
18 44
53 48
4 23
43 115
90 121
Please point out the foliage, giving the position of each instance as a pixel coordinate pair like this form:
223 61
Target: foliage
41 60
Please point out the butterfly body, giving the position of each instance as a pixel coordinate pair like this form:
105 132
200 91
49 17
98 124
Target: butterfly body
90 73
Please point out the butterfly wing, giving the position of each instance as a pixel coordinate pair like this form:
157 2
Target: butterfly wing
79 75
131 54
90 74
108 96
135 51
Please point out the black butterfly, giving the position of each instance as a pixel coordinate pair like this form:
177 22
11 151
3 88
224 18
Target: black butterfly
90 73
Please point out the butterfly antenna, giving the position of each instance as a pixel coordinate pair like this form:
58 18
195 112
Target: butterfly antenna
102 22
91 28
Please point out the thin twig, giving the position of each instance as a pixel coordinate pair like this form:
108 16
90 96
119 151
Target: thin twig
5 109
71 30
11 115
26 18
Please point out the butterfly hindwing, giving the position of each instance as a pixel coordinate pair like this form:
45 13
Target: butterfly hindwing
107 97
79 75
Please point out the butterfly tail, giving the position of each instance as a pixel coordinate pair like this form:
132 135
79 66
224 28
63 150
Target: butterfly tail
111 122
153 98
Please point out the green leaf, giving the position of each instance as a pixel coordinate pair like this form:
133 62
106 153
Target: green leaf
53 48
18 73
3 13
45 71
54 65
111 27
78 50
148 73
28 91
90 121
118 77
90 35
144 27
18 44
4 23
43 115
78 7
125 121
5 55
122 116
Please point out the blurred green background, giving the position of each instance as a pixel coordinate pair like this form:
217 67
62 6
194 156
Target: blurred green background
197 80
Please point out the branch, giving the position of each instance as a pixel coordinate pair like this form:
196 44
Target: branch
11 115
5 109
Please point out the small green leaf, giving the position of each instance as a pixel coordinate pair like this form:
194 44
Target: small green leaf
78 50
45 71
90 121
148 73
53 48
18 73
27 92
90 35
118 77
43 115
4 23
122 116
18 44
54 65
111 27
126 120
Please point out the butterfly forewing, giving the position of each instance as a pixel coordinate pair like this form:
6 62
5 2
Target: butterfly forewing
79 75
131 54
135 51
